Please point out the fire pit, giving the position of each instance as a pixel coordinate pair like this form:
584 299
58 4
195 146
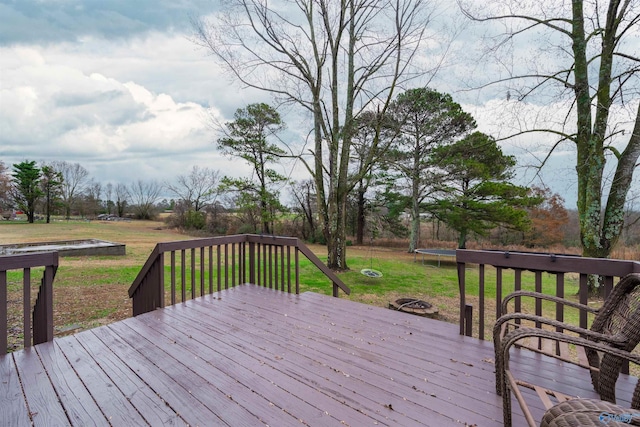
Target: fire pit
414 306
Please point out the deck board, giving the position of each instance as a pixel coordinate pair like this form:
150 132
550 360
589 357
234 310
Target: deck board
76 400
44 405
152 408
14 409
113 404
255 356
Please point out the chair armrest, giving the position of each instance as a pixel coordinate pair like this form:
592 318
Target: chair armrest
513 337
611 339
542 296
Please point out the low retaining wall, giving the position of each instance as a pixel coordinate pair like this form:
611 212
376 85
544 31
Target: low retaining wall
84 247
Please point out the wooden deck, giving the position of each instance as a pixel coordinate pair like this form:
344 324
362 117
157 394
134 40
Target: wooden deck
254 356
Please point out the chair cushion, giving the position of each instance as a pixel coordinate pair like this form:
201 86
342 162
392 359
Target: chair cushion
589 412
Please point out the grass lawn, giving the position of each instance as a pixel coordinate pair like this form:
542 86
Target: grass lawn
91 291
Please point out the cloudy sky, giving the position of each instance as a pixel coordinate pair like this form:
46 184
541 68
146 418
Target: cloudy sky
113 85
117 86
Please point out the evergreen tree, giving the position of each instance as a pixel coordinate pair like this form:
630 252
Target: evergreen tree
475 194
26 189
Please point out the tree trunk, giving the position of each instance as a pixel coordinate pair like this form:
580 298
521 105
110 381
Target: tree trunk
415 218
336 243
361 218
48 206
462 240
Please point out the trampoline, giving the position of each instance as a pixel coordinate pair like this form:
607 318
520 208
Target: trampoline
437 252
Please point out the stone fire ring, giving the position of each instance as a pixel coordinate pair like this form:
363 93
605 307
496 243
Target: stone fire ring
414 306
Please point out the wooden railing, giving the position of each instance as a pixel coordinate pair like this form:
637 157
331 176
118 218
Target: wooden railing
203 266
535 264
37 320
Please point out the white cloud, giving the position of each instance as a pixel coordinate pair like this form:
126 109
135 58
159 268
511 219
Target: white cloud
62 105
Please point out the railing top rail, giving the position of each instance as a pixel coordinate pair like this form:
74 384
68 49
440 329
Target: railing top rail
199 243
223 240
36 259
144 270
326 270
548 262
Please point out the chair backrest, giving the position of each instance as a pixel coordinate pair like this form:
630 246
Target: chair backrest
616 312
619 316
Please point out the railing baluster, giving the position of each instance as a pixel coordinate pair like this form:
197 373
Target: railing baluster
233 265
607 286
481 303
297 264
173 277
193 273
538 303
498 292
3 312
276 281
583 295
219 267
517 287
559 294
26 307
226 266
468 316
272 282
183 274
463 294
288 269
538 288
202 271
265 248
211 269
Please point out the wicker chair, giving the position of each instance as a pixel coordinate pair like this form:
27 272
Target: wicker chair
589 412
615 332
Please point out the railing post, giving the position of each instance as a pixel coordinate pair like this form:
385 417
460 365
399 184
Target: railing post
252 262
160 273
43 310
3 312
468 320
461 286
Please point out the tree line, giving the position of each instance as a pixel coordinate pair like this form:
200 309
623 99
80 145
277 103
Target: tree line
431 164
65 189
342 63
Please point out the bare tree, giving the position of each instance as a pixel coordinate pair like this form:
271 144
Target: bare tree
144 195
335 60
588 59
5 189
122 199
51 182
198 189
303 194
92 202
74 181
108 192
